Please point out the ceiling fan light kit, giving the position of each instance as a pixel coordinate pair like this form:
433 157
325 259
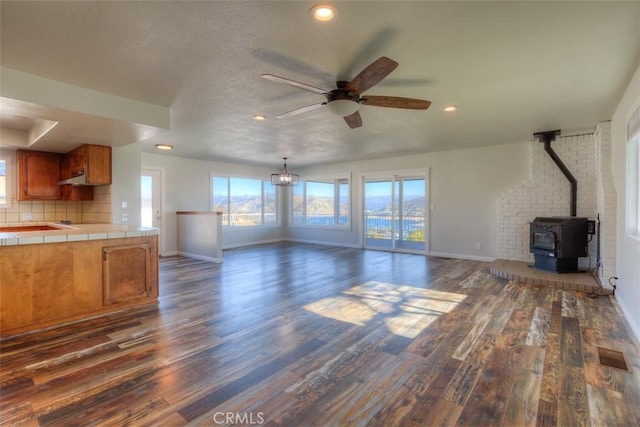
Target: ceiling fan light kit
285 178
343 107
345 99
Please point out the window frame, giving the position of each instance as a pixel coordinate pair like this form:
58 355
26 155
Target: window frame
229 177
8 181
633 188
337 181
632 217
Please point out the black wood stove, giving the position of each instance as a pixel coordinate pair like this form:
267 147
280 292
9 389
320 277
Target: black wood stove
557 242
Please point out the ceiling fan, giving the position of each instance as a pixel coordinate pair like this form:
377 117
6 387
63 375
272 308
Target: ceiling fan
346 98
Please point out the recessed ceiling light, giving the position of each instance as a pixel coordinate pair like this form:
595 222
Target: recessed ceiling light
323 12
450 108
259 117
164 147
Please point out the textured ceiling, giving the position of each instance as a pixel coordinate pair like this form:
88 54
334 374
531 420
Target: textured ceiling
512 68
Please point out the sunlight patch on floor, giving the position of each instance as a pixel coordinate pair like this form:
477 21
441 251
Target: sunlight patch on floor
406 310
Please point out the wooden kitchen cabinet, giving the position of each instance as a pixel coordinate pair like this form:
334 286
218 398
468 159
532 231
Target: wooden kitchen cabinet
76 192
126 273
93 161
38 175
44 285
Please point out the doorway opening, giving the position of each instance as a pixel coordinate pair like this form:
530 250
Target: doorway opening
151 202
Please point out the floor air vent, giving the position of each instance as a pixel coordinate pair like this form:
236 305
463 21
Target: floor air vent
612 358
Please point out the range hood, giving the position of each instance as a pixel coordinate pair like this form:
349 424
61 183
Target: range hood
76 180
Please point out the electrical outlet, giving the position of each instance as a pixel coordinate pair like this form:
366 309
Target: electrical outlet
478 246
26 216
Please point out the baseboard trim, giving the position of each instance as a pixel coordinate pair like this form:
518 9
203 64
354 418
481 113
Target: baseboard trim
259 242
200 257
461 256
628 317
320 242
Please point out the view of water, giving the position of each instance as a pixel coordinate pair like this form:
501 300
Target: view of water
376 223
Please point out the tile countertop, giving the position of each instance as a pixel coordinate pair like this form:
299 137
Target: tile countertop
70 233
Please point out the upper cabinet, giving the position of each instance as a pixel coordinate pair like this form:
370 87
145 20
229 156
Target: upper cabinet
38 175
93 162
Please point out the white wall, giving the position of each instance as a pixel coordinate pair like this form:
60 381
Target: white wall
628 249
125 185
187 188
464 186
607 202
546 193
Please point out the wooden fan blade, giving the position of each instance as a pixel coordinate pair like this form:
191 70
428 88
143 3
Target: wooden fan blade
372 74
294 83
353 120
301 110
395 102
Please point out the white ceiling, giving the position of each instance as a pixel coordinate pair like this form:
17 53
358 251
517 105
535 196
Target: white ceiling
512 68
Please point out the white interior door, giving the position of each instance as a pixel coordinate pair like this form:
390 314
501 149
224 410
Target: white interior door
151 203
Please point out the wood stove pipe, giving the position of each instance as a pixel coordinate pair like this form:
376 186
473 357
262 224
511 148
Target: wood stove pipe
546 138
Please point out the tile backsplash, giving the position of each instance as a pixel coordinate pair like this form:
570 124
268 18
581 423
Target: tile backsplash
97 210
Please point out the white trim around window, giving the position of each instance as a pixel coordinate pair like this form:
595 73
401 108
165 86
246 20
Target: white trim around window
237 197
6 178
633 188
322 201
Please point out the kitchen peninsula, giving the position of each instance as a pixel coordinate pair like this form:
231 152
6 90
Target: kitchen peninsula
73 272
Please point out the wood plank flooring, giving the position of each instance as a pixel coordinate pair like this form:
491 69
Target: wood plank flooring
302 335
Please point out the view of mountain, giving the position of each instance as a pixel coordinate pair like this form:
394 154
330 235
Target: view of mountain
244 204
382 205
317 205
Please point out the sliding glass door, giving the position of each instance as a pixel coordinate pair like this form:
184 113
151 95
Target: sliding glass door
394 213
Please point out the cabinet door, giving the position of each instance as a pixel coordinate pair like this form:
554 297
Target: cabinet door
73 163
38 175
97 159
126 273
94 161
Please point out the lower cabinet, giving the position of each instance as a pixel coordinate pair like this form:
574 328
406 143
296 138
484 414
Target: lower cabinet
43 285
126 273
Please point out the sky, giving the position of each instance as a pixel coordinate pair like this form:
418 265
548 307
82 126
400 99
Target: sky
414 187
249 187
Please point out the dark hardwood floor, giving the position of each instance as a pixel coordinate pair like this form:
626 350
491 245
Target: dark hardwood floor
303 335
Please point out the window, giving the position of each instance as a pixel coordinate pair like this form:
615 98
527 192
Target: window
633 175
321 202
633 187
5 196
244 201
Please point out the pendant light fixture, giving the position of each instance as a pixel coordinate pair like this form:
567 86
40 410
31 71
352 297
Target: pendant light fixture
284 178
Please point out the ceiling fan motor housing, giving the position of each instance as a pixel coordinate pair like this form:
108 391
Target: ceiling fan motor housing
342 101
